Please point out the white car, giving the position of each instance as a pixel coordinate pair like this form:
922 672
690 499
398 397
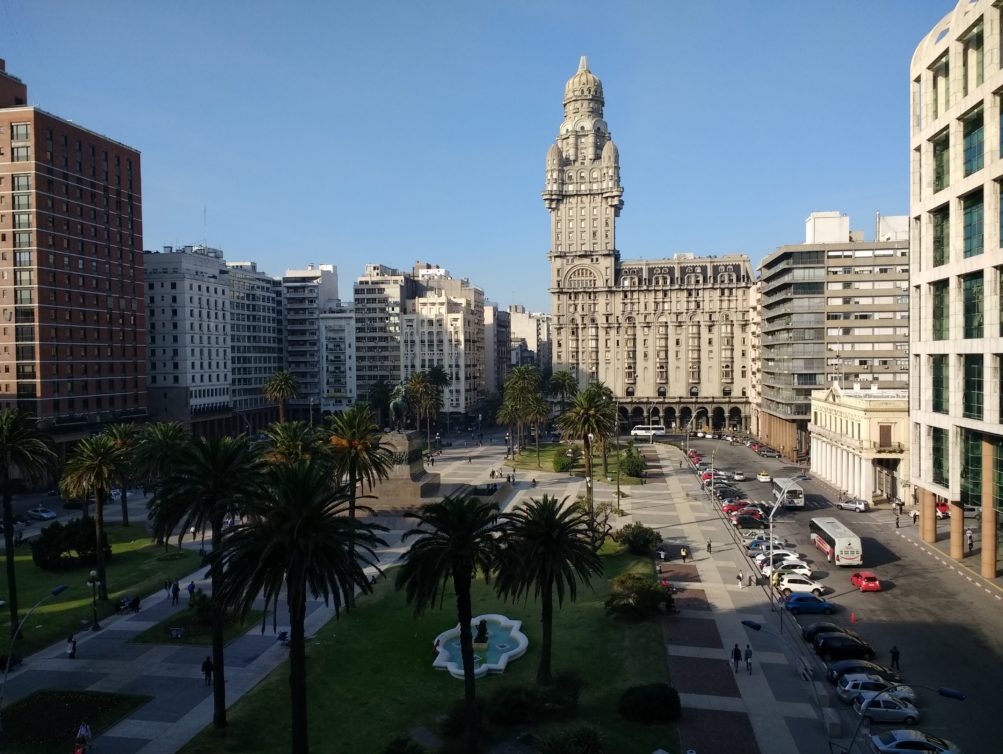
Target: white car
762 476
738 476
40 514
790 584
792 567
869 685
762 556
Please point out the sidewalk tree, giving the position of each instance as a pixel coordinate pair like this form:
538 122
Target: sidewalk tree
563 385
297 535
93 467
281 387
537 414
25 450
508 414
158 450
127 437
453 540
211 478
547 551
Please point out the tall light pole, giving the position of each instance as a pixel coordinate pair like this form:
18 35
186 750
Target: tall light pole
10 646
94 582
618 458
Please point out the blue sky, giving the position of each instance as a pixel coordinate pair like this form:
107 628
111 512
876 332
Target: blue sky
346 133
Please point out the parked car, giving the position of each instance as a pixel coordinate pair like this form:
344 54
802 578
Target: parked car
972 511
842 647
789 567
808 603
769 558
791 583
835 670
748 510
905 740
853 504
769 453
40 514
809 632
762 476
943 510
756 446
738 476
761 543
852 684
748 522
733 506
865 581
885 709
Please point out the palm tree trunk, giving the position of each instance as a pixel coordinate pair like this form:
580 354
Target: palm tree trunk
216 617
547 624
8 540
282 410
99 550
125 501
589 486
297 663
605 458
352 483
537 445
464 611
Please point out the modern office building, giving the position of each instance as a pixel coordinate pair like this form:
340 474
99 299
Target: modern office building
256 343
338 377
670 337
379 295
72 307
305 294
497 348
956 275
755 346
833 308
188 302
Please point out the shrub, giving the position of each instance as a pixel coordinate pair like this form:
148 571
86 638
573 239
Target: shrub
638 538
61 546
563 463
404 745
582 739
635 596
454 723
631 463
516 705
650 703
561 695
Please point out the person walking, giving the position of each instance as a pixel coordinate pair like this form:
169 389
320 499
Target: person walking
71 647
896 520
741 582
191 590
736 657
895 657
207 670
914 514
175 593
710 547
970 537
84 737
683 552
748 658
167 587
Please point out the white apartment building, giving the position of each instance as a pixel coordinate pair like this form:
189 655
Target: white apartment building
497 348
305 294
956 274
338 360
188 304
530 337
379 295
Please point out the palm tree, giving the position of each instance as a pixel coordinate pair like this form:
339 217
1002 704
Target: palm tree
508 415
537 413
440 381
25 449
602 392
379 399
212 477
356 452
425 399
590 417
564 385
281 387
93 467
521 384
157 450
288 442
548 550
297 533
127 437
454 539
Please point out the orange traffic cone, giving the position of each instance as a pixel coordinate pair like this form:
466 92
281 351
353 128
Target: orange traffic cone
853 617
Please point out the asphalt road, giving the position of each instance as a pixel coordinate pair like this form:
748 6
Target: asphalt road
949 631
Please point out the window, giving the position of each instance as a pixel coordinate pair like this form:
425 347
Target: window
941 380
973 298
22 240
972 408
940 449
941 71
971 468
974 142
973 223
941 162
19 132
972 60
22 182
941 309
20 154
941 235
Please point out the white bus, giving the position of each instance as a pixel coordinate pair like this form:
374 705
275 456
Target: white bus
788 492
648 430
840 545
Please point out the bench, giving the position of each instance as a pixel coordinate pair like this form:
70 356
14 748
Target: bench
177 632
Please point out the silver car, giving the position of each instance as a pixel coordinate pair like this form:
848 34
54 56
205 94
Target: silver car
906 740
852 684
885 709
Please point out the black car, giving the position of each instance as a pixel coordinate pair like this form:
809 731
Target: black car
842 647
723 492
750 522
839 668
808 633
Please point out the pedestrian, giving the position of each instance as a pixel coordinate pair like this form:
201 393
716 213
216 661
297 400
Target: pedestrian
710 547
167 587
175 593
749 582
683 552
914 514
895 657
736 657
896 520
740 578
431 460
468 459
207 670
970 535
748 658
71 647
191 590
84 736
680 464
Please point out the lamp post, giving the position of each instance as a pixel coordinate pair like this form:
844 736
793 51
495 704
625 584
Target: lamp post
94 582
944 691
619 460
10 646
769 584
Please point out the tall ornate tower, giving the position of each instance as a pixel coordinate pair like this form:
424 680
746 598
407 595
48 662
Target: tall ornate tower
584 197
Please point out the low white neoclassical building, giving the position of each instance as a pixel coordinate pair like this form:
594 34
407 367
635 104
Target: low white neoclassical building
859 441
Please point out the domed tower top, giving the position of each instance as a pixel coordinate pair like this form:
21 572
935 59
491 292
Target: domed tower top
584 84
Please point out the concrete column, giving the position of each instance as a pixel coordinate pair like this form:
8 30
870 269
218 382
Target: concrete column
927 517
988 565
866 480
957 530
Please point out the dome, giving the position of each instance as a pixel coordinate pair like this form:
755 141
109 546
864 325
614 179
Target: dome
610 154
584 84
554 156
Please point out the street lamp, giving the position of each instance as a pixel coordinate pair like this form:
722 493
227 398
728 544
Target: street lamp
94 582
942 690
619 460
10 646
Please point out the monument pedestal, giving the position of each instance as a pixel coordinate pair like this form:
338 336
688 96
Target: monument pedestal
408 482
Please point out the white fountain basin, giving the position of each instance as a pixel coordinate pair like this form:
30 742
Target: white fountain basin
506 642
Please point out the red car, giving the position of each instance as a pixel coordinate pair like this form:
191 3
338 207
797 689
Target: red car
866 581
943 510
734 507
747 513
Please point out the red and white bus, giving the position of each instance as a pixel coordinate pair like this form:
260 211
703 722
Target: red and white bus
840 545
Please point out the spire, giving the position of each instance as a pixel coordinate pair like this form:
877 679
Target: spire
583 64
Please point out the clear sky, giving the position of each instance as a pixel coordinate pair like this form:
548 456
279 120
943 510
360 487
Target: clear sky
376 131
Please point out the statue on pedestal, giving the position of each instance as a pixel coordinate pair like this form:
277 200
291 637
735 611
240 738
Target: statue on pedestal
398 406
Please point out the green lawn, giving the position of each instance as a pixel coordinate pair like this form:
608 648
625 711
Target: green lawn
526 461
137 566
47 721
196 632
371 678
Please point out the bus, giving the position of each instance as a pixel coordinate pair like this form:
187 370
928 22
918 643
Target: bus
840 545
788 492
648 430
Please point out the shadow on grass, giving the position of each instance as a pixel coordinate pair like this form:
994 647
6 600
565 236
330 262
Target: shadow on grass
47 721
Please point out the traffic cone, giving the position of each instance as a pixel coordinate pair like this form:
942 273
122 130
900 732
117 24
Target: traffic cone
853 617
